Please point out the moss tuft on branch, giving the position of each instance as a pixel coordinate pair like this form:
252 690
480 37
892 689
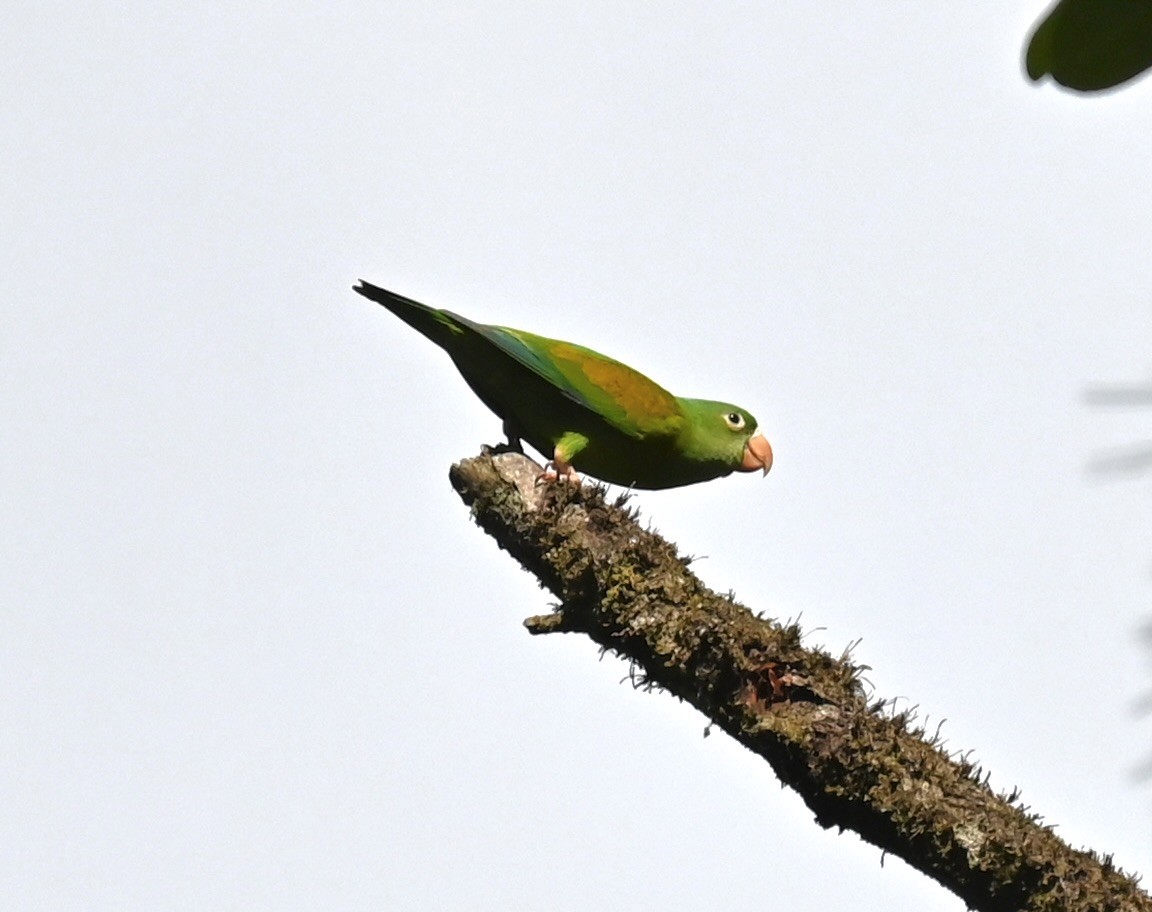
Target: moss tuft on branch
857 765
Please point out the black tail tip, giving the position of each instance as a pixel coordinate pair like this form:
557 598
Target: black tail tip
368 290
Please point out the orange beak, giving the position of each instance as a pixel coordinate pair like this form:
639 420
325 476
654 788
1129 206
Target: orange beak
757 455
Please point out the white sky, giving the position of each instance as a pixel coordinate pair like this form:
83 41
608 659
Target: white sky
253 655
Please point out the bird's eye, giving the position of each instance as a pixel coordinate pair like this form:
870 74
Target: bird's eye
735 420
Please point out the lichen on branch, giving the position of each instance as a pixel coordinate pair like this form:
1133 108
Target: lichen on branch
856 763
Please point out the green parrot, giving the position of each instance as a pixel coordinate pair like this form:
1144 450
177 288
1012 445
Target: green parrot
585 410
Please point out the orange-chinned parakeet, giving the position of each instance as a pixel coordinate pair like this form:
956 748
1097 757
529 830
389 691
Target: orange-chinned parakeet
585 410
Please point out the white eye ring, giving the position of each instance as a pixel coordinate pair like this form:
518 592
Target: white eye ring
735 421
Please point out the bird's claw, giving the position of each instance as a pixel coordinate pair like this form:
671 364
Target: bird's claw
501 448
557 470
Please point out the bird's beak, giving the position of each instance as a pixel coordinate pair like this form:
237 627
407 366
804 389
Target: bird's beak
757 455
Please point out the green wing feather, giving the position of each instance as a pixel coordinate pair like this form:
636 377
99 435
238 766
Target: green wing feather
623 397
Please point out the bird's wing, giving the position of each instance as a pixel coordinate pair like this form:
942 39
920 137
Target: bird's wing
624 397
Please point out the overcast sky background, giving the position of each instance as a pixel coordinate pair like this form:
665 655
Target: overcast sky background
254 655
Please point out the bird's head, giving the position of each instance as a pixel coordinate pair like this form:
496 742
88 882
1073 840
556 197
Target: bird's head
729 433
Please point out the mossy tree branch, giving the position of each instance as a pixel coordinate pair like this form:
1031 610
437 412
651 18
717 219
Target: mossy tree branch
857 764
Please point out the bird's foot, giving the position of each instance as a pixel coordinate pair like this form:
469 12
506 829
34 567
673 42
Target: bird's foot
510 446
513 445
557 470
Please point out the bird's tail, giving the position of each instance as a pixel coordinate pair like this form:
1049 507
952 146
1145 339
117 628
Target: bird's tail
430 322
